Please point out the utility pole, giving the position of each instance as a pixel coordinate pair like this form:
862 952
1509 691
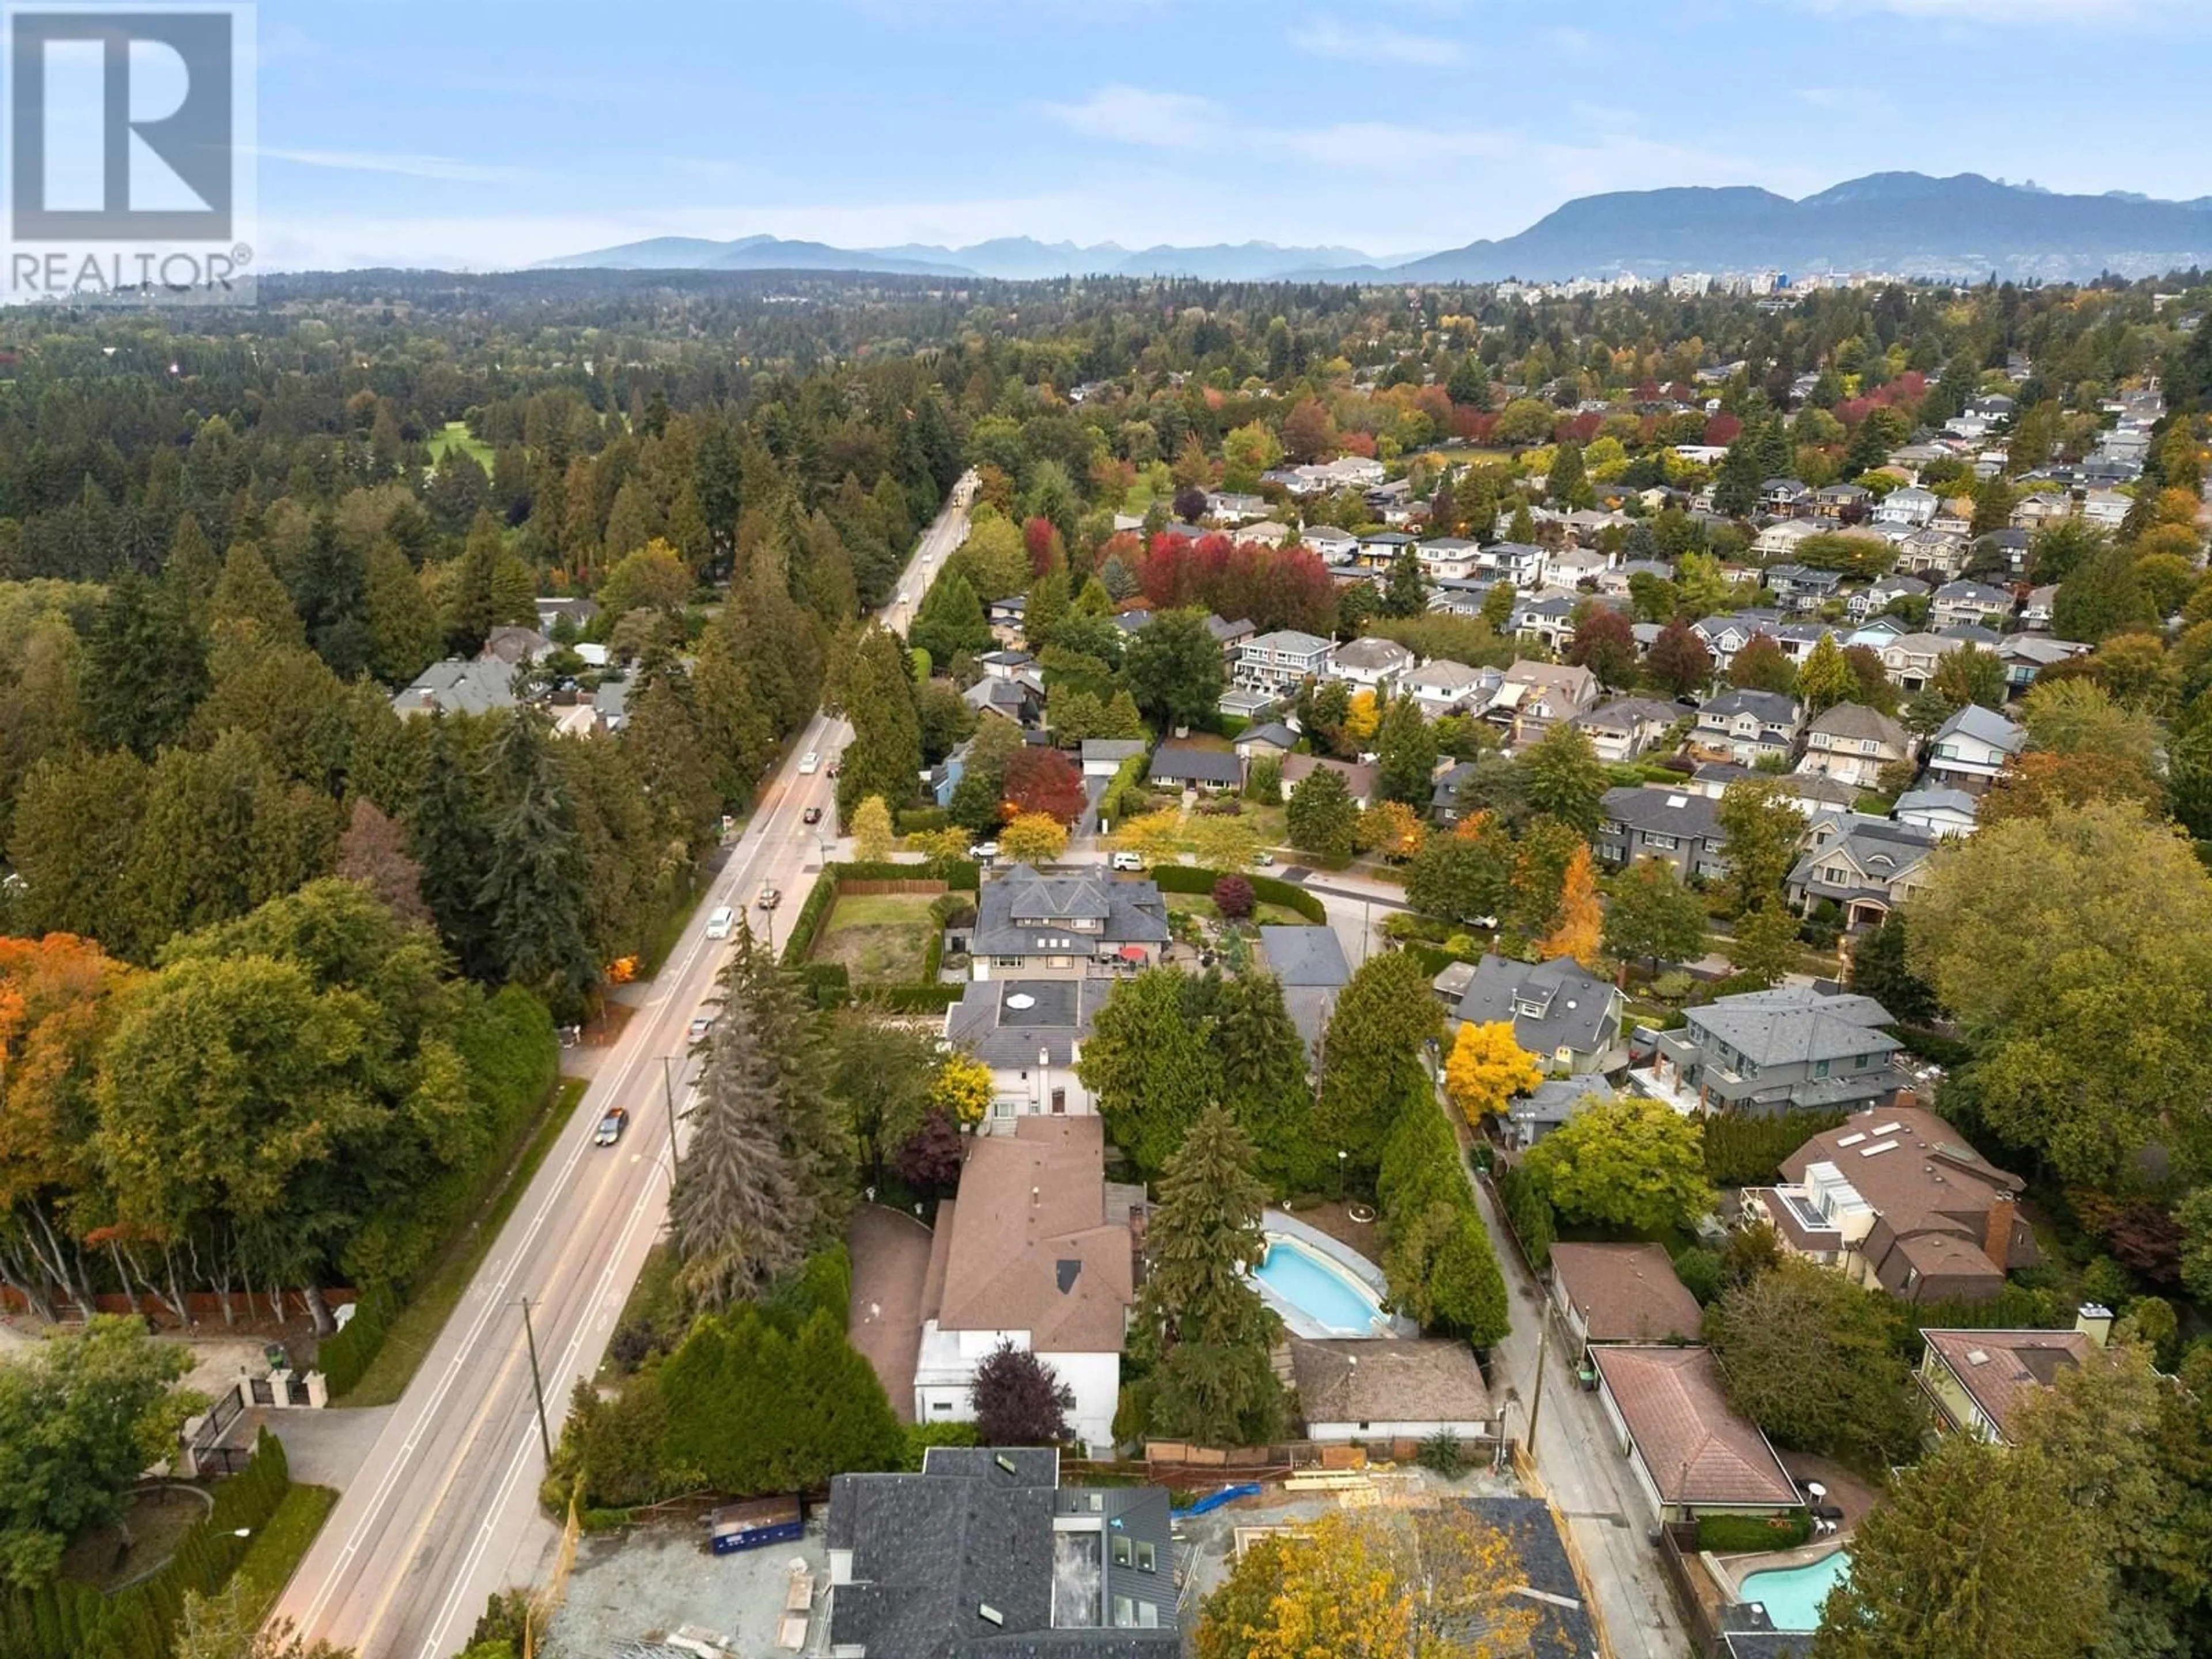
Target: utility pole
668 1094
537 1384
1536 1401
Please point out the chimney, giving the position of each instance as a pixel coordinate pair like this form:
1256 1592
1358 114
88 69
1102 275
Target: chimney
1997 1235
2095 1320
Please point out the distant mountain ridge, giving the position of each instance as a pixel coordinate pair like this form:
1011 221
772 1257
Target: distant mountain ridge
1964 226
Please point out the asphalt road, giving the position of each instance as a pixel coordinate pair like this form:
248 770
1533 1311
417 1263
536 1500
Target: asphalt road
444 1512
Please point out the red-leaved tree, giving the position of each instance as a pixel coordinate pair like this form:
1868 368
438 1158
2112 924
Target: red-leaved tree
1232 896
1042 781
1019 1400
929 1162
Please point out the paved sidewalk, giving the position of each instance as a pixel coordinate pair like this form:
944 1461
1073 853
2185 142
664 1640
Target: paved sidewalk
325 1448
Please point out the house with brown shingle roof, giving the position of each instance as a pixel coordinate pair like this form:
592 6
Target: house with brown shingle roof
1691 1452
1035 1251
1360 1388
1977 1380
1622 1293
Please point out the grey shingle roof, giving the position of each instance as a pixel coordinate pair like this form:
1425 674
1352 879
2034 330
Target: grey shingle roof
1005 1022
1023 913
1214 766
1273 733
1573 1008
1305 956
1985 725
1794 1024
1769 707
460 686
1657 811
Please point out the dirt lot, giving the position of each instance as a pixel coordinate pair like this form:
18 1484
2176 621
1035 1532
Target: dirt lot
879 936
642 1585
218 1360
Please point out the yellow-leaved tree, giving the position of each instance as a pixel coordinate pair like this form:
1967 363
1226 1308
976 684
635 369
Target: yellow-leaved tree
1392 829
1033 838
1487 1068
1155 837
1365 714
1581 926
872 830
963 1088
1223 842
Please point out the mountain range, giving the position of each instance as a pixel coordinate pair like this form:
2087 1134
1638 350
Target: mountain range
1964 226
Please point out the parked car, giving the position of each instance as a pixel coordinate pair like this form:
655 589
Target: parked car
1263 860
769 898
720 923
810 763
701 1024
836 762
984 851
1127 862
812 815
610 1127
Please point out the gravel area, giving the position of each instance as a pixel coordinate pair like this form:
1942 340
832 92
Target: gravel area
642 1585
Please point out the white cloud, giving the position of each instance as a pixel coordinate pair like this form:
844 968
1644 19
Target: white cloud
403 165
1368 43
1131 115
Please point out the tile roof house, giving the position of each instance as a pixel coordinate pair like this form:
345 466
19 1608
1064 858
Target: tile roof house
1372 663
1361 779
1029 1253
1626 728
1031 925
984 1553
1535 696
1852 743
1766 1052
1691 1452
1357 1389
1744 725
1309 964
1679 826
1897 1200
1867 866
1030 1033
1562 1014
1970 749
1622 1293
1978 1380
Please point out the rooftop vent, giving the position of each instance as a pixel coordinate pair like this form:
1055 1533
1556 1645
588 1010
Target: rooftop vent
989 1615
1021 999
1977 1356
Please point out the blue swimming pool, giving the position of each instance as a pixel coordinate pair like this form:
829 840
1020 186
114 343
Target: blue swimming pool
1792 1596
1320 1290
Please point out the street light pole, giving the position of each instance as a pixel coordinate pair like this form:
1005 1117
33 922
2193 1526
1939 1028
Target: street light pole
1340 1156
1536 1402
537 1384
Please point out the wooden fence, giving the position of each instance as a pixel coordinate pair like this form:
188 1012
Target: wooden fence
866 888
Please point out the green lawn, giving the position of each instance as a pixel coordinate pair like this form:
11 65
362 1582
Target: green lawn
1263 916
277 1550
455 436
434 1299
879 936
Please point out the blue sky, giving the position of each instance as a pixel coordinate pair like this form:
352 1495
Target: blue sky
485 133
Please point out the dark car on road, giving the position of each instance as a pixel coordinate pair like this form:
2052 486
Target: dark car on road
610 1127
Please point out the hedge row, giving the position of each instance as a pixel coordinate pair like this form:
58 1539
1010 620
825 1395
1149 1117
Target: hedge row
1933 1047
1267 890
1744 1150
1528 1213
344 1360
64 1619
1747 1534
960 875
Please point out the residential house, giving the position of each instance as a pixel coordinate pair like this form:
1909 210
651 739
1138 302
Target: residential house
1769 1052
1536 695
1728 632
459 685
1271 740
1563 1015
1036 1251
1785 498
1231 636
1442 687
1034 926
1007 618
1529 1118
1842 503
1931 552
1799 640
2105 508
1979 1380
1546 619
984 1553
1241 704
552 608
1691 1453
2027 655
1335 546
1372 663
1802 587
1969 603
1614 580
1443 794
1627 728
1747 726
1621 1293
1278 663
1780 539
1357 1389
1448 597
1379 549
1447 558
1910 660
1020 700
1360 778
1210 771
1871 601
943 778
2041 510
1309 963
1954 517
1972 748
1030 1033
1943 813
1865 866
1897 1200
2035 611
1229 508
1911 505
1851 743
1104 757
1678 826
1268 533
2009 547
1524 564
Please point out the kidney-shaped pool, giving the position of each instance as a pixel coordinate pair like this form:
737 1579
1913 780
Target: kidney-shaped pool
1321 1290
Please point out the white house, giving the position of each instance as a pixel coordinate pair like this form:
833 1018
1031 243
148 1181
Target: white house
1910 505
1034 1251
1971 749
1372 664
1942 812
1970 603
1448 558
1443 687
1030 1033
1279 662
2106 508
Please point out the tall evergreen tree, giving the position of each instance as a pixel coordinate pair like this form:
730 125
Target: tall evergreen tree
146 667
447 836
535 876
1264 1067
884 756
741 1214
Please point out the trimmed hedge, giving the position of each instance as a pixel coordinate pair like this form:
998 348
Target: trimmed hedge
1935 1046
1528 1213
919 820
1267 889
1747 1534
1743 1151
912 999
344 1358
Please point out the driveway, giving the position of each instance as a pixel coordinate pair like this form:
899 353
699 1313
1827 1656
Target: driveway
890 1260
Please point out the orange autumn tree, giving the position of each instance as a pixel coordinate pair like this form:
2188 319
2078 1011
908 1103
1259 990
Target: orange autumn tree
57 1002
1581 923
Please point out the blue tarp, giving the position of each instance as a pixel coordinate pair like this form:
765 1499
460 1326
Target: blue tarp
1214 1500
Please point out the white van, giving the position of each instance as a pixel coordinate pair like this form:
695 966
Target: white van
1127 862
720 923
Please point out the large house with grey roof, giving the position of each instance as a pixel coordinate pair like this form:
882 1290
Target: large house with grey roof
1866 866
1852 743
1562 1014
1309 964
1787 1050
985 1554
1971 749
1029 926
1278 663
1679 826
1030 1033
1746 726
